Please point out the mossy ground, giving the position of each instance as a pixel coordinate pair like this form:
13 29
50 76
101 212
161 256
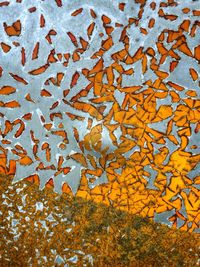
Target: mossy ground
42 228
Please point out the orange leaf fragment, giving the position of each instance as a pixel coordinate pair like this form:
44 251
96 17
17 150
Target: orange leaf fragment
1 71
74 80
150 52
23 55
197 52
75 56
5 3
193 74
25 161
34 179
197 128
175 86
42 21
93 14
85 107
76 12
50 183
84 92
169 127
98 83
173 65
121 6
105 19
196 12
185 49
61 133
151 23
107 44
21 128
161 74
165 111
138 55
191 93
32 9
98 67
39 70
18 78
54 105
8 127
59 3
51 57
90 29
45 93
14 29
79 158
27 116
170 17
6 48
143 30
73 39
184 141
193 30
144 64
12 104
66 188
153 5
84 43
7 90
35 51
110 75
28 98
185 10
175 97
185 25
12 167
161 49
